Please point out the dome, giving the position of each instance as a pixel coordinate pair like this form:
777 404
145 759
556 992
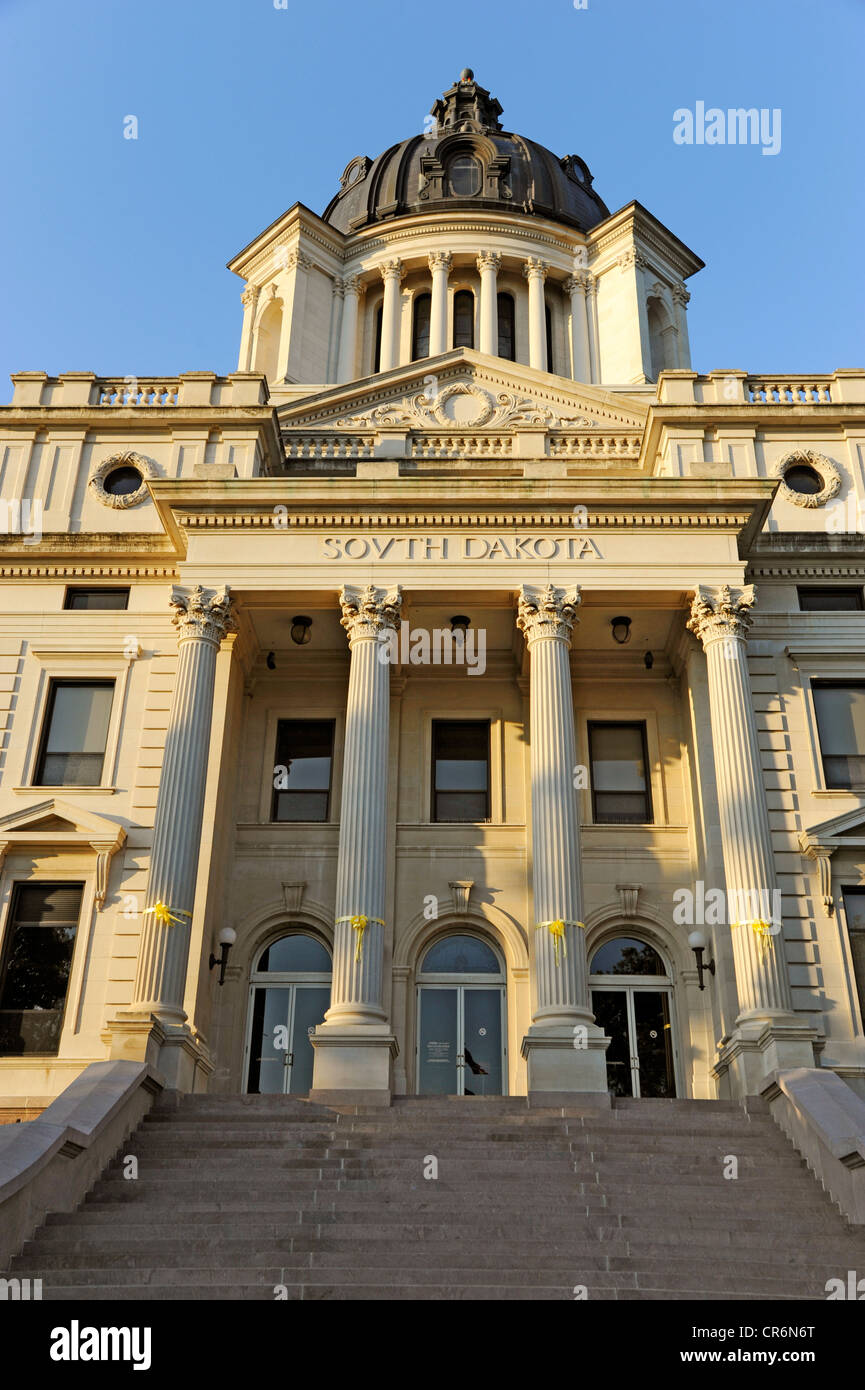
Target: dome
465 160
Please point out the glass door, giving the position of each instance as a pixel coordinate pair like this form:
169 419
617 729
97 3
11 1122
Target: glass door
640 1056
280 1050
460 1036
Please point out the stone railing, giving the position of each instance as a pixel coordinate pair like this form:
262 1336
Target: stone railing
136 391
796 390
843 387
140 393
598 446
307 447
458 446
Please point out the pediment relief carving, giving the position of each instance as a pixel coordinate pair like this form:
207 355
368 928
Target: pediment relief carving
464 405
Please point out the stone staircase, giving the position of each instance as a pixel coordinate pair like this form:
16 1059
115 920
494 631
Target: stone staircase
236 1195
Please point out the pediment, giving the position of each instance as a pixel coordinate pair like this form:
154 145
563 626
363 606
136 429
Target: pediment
470 391
831 834
58 821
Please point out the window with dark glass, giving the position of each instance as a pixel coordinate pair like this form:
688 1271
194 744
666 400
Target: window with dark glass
464 176
302 770
379 314
854 911
507 328
421 313
461 770
840 710
549 321
620 787
81 598
35 964
464 319
72 749
830 599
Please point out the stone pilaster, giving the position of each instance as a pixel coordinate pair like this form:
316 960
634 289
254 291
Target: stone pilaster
767 1034
564 1048
354 1047
202 618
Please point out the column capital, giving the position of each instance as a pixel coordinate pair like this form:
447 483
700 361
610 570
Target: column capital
353 284
720 611
582 283
392 270
547 612
249 297
201 613
489 260
680 295
535 269
368 611
440 260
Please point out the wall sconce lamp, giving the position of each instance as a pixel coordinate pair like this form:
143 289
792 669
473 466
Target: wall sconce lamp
460 623
300 630
227 938
697 943
621 630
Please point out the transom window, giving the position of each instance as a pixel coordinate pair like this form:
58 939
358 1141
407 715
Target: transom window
461 955
72 749
461 770
620 789
464 176
830 599
840 710
302 770
627 956
35 967
295 954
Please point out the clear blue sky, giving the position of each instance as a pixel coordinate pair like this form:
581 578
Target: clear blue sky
113 250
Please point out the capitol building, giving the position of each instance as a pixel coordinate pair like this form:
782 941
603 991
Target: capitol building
464 697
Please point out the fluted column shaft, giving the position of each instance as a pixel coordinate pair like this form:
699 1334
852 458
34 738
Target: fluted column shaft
202 620
535 272
488 263
391 273
720 617
356 995
348 329
440 264
581 357
560 993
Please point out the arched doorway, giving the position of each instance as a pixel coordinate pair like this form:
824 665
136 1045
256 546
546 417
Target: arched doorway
632 1002
461 1019
288 994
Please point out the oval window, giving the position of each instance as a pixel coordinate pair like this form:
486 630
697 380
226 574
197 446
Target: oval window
123 481
464 176
804 479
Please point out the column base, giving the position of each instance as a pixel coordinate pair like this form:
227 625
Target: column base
758 1047
175 1051
353 1064
558 1067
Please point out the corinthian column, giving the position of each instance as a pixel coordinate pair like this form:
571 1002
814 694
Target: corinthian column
535 272
488 263
202 618
581 359
353 290
354 1046
440 264
768 1035
564 1048
391 273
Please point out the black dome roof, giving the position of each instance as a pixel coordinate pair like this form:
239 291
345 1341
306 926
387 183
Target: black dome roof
499 171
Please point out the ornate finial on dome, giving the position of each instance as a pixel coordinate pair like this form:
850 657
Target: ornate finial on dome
466 106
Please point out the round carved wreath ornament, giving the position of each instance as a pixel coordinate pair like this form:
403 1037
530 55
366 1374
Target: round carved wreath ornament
108 466
821 465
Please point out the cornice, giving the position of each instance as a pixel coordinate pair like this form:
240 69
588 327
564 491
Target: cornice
246 518
532 229
46 570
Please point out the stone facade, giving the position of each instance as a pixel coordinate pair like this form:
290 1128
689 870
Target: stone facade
345 476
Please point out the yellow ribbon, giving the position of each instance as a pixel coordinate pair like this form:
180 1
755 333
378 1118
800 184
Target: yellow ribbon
163 914
556 928
761 929
359 923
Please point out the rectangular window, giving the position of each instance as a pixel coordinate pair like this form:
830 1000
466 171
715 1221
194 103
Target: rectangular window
36 962
828 599
620 788
72 751
854 911
302 770
461 770
840 708
79 598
